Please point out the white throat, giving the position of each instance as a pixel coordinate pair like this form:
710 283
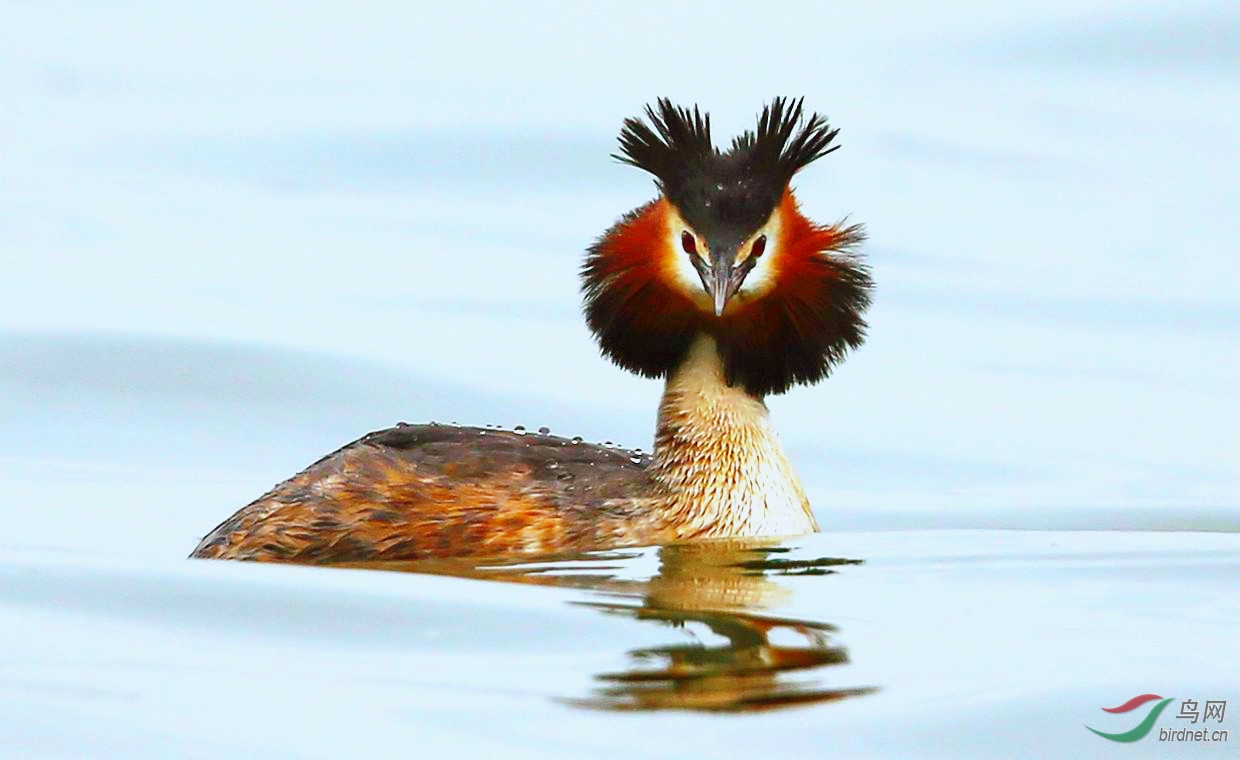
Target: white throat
717 454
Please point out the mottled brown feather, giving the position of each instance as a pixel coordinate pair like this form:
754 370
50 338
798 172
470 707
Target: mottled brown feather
423 491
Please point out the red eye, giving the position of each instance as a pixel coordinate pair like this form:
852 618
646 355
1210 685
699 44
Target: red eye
687 242
758 247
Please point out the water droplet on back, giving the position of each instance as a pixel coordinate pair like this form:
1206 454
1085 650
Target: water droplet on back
519 430
544 430
577 439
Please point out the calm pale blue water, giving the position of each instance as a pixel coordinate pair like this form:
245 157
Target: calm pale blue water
233 238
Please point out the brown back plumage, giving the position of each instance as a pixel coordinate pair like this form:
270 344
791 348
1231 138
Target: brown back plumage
421 491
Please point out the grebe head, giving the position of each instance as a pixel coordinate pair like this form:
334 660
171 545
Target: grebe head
725 251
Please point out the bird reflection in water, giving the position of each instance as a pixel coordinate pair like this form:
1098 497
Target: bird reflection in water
721 585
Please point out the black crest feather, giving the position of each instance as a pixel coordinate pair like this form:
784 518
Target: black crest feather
775 150
678 143
724 190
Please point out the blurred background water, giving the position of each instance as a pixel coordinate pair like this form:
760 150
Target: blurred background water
234 236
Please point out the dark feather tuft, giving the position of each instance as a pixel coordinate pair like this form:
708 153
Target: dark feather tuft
775 150
678 145
732 191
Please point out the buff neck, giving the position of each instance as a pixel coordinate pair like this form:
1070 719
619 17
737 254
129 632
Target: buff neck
719 458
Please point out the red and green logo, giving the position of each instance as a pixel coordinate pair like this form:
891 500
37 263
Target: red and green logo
1142 728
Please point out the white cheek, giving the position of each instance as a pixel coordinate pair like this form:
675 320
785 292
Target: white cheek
760 279
688 281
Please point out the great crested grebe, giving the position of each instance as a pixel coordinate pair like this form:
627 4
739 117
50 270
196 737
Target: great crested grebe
719 285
